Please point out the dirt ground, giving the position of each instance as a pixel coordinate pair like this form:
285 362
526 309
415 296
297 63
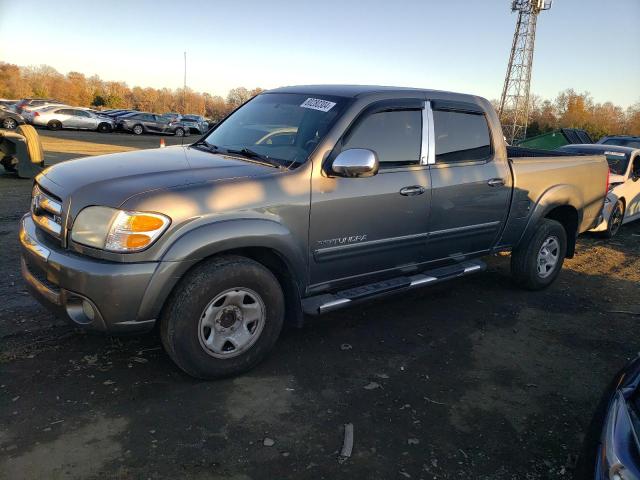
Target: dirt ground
469 379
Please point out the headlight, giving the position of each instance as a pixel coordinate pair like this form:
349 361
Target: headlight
118 230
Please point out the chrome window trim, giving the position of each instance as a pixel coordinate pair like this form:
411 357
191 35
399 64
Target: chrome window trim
428 151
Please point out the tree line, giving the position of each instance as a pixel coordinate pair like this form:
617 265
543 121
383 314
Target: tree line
569 109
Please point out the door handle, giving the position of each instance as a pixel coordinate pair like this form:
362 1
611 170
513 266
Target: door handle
411 191
496 182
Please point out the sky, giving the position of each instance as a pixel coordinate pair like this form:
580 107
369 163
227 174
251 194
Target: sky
457 45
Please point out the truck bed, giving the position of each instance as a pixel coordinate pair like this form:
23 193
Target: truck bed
579 179
521 152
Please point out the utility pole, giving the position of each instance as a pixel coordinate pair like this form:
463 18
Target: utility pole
184 86
514 103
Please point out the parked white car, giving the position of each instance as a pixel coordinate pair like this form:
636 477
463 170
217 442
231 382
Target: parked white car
55 118
622 204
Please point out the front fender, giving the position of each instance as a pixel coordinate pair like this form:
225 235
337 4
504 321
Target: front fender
210 239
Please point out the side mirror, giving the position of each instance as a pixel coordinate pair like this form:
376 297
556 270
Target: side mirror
355 162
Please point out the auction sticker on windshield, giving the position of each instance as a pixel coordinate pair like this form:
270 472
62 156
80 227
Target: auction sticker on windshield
318 104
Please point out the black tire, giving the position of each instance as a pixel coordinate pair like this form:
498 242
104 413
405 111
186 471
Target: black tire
180 322
104 127
9 123
615 220
524 259
179 132
137 129
54 125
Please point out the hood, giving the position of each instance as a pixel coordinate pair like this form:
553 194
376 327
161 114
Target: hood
613 178
110 179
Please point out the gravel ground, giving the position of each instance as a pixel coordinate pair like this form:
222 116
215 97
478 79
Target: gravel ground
469 379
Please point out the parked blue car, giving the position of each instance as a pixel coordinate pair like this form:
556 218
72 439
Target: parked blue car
612 446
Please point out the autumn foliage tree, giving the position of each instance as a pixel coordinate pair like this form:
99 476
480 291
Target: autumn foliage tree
578 110
75 88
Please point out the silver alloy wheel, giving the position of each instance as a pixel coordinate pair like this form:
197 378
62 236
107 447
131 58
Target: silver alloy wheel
9 123
179 132
548 256
137 129
231 323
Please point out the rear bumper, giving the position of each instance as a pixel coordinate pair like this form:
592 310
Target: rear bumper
92 294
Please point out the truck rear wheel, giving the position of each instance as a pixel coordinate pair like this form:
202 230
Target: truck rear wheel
223 318
536 263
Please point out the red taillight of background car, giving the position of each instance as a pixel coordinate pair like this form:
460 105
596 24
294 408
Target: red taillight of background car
606 190
36 114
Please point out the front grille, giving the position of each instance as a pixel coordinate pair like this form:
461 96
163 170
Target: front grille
46 211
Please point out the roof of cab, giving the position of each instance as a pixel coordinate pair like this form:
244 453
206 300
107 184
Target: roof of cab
346 90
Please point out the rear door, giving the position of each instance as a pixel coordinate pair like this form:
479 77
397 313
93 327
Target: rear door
471 190
362 228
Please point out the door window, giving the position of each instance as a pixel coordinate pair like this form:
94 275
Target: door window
395 136
461 136
80 113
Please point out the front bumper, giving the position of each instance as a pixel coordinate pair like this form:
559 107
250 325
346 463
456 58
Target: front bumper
603 224
92 294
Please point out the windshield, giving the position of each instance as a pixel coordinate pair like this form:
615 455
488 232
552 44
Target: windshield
623 142
281 126
618 162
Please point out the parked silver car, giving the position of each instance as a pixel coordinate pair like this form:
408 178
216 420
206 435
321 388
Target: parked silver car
56 118
196 123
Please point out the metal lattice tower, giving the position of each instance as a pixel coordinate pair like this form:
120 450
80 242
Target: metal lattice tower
514 103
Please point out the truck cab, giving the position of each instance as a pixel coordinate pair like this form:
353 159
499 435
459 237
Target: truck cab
304 200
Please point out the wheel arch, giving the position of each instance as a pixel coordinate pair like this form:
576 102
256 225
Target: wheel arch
567 216
560 203
263 241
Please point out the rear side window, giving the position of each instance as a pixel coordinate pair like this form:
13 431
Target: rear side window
395 136
461 136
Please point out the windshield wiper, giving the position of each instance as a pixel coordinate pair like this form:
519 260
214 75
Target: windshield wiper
248 153
209 146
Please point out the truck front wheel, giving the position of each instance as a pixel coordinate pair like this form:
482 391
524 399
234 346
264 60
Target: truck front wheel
536 263
223 318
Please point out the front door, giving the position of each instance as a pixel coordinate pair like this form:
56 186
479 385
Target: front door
632 190
471 190
361 228
85 120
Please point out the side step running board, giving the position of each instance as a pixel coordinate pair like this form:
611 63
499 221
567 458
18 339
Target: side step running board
332 301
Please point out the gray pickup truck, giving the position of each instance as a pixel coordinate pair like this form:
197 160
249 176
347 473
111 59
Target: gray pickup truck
304 200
